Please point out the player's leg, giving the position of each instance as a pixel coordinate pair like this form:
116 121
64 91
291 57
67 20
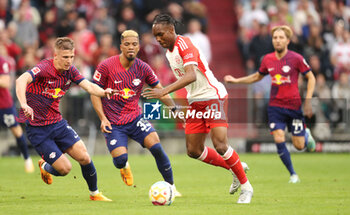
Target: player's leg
282 151
79 153
17 131
196 133
152 143
301 136
7 118
230 156
117 143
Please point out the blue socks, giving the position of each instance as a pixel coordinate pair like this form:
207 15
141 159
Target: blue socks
48 168
163 162
120 161
285 157
90 175
22 145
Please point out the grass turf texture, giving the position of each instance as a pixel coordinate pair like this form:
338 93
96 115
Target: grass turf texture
324 187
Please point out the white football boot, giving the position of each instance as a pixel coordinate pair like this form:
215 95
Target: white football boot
235 183
294 179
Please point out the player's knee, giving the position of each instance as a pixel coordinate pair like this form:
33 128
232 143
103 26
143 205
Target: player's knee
279 138
299 145
85 159
192 153
221 148
64 170
120 161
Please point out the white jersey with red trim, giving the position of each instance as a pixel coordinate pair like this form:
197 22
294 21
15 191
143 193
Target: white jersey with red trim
206 86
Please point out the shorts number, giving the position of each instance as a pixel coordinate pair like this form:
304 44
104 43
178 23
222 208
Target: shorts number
75 133
9 119
144 125
298 126
216 108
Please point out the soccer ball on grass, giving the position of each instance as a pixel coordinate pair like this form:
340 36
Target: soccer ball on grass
161 193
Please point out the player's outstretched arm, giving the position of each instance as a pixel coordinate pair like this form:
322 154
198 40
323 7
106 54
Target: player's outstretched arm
167 100
21 86
186 79
95 90
97 104
311 81
243 80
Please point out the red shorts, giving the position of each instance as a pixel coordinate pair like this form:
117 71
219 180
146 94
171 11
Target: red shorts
206 115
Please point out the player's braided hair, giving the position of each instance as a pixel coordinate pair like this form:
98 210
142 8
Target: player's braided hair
164 18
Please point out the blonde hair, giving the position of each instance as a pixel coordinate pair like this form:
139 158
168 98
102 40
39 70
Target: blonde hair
285 28
64 43
129 33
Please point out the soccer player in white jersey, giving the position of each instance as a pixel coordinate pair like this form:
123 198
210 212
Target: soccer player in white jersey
204 93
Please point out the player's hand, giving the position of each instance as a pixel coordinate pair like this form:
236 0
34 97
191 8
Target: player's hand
106 126
153 93
308 108
28 111
109 92
230 79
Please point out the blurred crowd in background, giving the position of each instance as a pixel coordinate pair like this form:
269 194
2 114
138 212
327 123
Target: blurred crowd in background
28 29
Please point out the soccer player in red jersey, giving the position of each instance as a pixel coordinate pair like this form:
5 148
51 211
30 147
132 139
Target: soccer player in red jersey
8 114
121 117
39 92
204 93
284 108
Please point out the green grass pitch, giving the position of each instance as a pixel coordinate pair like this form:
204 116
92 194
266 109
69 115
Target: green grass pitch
324 187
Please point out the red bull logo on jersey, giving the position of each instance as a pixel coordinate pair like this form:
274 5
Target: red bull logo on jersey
55 93
126 93
280 79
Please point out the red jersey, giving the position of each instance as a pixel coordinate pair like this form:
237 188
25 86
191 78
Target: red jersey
123 107
284 78
46 90
5 96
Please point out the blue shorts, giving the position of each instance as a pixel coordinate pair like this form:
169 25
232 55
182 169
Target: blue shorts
8 117
280 117
137 130
51 141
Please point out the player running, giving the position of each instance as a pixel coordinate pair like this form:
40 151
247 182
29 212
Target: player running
204 93
284 108
8 114
121 117
39 92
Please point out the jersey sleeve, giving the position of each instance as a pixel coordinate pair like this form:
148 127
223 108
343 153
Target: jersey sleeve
37 71
188 52
303 66
151 78
100 75
76 76
263 69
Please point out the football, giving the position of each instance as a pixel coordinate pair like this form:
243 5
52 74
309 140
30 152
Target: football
161 193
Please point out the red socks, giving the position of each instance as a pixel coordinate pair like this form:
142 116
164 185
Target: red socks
210 156
232 160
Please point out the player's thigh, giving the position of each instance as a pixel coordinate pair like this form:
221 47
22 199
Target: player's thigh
298 142
219 138
279 135
17 131
195 143
41 139
79 153
151 139
141 131
117 141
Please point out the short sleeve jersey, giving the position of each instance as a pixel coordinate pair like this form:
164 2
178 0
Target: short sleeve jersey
46 90
123 107
284 74
5 96
206 86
